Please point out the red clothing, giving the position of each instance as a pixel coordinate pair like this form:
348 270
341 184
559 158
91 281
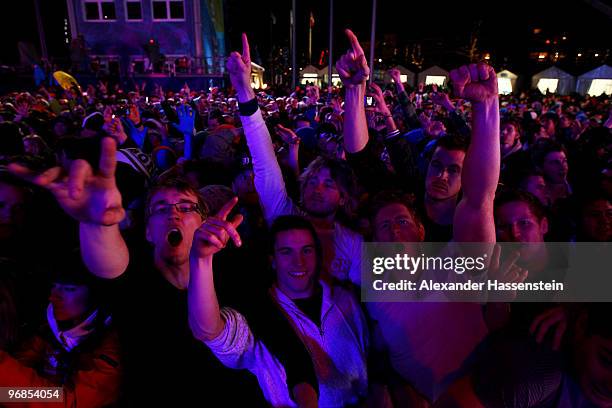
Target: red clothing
95 372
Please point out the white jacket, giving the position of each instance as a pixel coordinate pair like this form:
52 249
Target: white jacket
275 201
338 349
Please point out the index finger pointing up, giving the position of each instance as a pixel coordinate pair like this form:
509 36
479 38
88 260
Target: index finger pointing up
227 208
246 50
355 46
108 159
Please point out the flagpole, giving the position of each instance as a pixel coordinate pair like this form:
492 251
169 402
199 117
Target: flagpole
372 40
331 50
293 50
309 42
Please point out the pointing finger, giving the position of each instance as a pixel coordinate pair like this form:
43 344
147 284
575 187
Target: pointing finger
227 208
246 50
355 46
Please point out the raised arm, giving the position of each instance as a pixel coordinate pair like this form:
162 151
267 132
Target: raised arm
92 198
354 72
473 221
212 236
269 181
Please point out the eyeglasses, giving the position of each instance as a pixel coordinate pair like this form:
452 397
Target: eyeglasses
182 207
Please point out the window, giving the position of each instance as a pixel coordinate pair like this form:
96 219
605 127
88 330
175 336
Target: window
133 10
100 10
599 86
548 85
435 79
168 10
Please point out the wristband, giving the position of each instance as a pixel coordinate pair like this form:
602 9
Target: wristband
248 108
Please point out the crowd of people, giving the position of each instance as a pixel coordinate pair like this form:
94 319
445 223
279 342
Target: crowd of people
163 248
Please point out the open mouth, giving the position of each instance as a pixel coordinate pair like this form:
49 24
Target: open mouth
297 274
174 237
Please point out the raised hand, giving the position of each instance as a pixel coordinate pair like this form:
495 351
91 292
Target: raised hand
352 67
134 115
239 68
553 320
113 126
214 233
395 75
287 135
186 119
381 104
441 99
475 82
506 271
87 196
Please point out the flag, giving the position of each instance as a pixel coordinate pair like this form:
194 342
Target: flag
312 20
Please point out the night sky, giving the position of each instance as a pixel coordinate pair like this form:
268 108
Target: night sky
505 28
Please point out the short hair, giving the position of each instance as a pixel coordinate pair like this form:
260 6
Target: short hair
178 184
452 141
387 197
295 222
542 148
513 122
343 175
506 196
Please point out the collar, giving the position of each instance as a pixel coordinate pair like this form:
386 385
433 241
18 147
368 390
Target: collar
284 301
71 338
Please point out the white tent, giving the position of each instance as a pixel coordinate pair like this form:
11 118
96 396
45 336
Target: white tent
406 76
310 74
506 81
595 82
554 80
433 75
335 77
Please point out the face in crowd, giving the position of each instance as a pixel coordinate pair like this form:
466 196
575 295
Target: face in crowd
509 135
171 209
396 223
443 180
70 302
555 167
321 195
536 185
596 221
295 261
515 221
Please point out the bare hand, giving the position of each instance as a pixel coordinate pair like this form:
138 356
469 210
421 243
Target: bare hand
239 67
352 67
214 233
554 319
86 196
475 82
507 272
287 135
395 75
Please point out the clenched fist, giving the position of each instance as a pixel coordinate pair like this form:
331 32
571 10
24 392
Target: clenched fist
475 82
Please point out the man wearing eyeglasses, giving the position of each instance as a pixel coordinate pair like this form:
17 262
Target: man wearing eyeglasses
164 364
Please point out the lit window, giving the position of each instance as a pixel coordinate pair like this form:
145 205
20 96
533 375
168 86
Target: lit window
600 86
435 79
99 10
504 86
403 78
133 10
168 10
548 85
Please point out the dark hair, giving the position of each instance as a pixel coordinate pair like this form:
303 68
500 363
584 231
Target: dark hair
178 184
295 222
342 174
452 142
387 197
514 123
506 196
542 148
